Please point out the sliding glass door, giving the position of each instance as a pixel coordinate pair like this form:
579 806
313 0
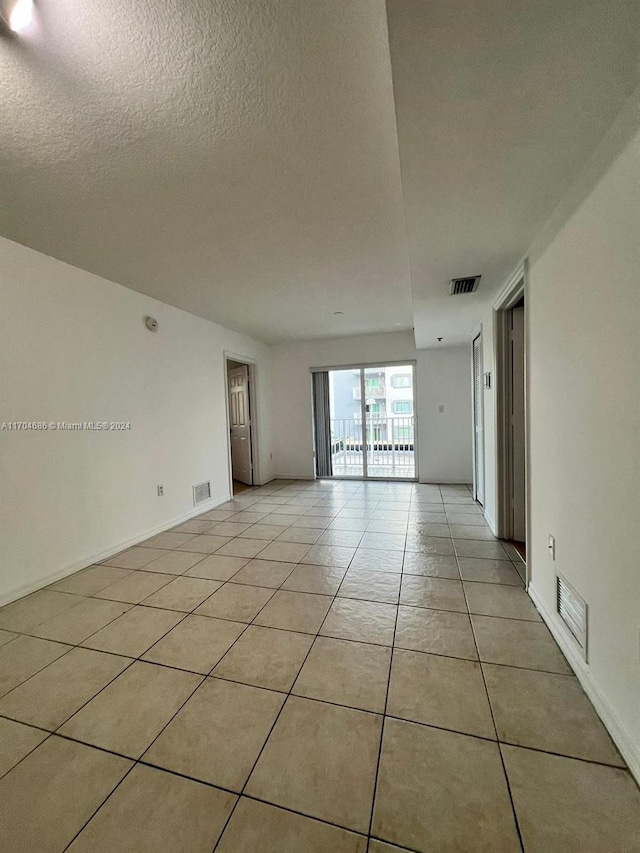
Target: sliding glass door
371 422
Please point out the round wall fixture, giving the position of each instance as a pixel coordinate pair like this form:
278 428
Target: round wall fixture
151 324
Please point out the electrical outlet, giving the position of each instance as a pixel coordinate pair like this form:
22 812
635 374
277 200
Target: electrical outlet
441 409
552 547
160 490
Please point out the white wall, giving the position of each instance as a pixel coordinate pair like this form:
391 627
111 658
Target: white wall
584 347
443 377
583 330
75 348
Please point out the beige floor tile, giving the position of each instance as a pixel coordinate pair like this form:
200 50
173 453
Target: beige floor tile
205 543
257 826
266 573
195 526
483 550
217 567
196 644
265 657
435 593
173 563
6 637
364 621
371 586
134 632
329 555
517 643
509 602
294 611
382 541
280 519
90 580
430 565
49 795
343 538
572 806
377 526
229 528
468 519
135 587
168 540
216 515
267 532
376 846
183 594
16 741
76 624
128 714
488 571
26 613
287 552
472 531
320 760
548 712
346 673
379 560
302 535
134 558
25 656
240 547
190 818
238 602
51 696
315 522
436 631
324 580
439 790
218 734
440 691
250 516
423 544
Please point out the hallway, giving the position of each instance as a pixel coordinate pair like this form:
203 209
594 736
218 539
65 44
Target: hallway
313 667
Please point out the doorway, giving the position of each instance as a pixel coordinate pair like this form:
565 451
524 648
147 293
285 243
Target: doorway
240 408
511 369
365 422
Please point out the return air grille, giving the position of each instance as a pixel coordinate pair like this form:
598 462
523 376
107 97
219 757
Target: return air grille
573 611
464 285
201 492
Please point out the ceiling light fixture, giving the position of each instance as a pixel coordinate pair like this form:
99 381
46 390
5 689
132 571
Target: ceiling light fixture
21 16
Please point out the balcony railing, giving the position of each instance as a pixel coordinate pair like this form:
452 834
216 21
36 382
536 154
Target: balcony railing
376 391
387 446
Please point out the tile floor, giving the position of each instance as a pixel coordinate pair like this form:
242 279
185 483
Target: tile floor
330 667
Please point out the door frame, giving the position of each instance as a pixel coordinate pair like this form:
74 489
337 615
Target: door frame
410 362
478 333
252 364
516 288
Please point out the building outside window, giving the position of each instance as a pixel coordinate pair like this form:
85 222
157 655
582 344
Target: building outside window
401 380
402 407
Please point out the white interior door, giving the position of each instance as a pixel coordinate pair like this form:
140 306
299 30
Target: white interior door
478 422
518 481
240 424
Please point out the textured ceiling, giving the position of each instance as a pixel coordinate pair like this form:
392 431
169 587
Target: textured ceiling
239 158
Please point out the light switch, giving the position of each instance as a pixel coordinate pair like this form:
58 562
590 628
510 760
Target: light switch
441 409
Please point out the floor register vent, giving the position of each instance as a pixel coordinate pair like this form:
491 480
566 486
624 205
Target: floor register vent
573 611
201 492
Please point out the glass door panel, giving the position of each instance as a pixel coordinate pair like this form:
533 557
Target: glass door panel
345 408
389 422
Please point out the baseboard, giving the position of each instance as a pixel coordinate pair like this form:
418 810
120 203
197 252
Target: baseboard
293 477
446 481
629 748
52 577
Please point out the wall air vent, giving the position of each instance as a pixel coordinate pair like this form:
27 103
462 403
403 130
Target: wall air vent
573 611
464 285
201 492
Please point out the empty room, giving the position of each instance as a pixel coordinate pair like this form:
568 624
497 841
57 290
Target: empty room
319 418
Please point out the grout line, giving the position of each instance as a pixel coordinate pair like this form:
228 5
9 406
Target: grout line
495 728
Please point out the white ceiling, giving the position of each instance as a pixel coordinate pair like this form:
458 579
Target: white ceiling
239 158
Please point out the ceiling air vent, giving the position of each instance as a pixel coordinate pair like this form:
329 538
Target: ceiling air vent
573 611
201 492
464 285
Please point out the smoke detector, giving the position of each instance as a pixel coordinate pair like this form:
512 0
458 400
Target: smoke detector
464 285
